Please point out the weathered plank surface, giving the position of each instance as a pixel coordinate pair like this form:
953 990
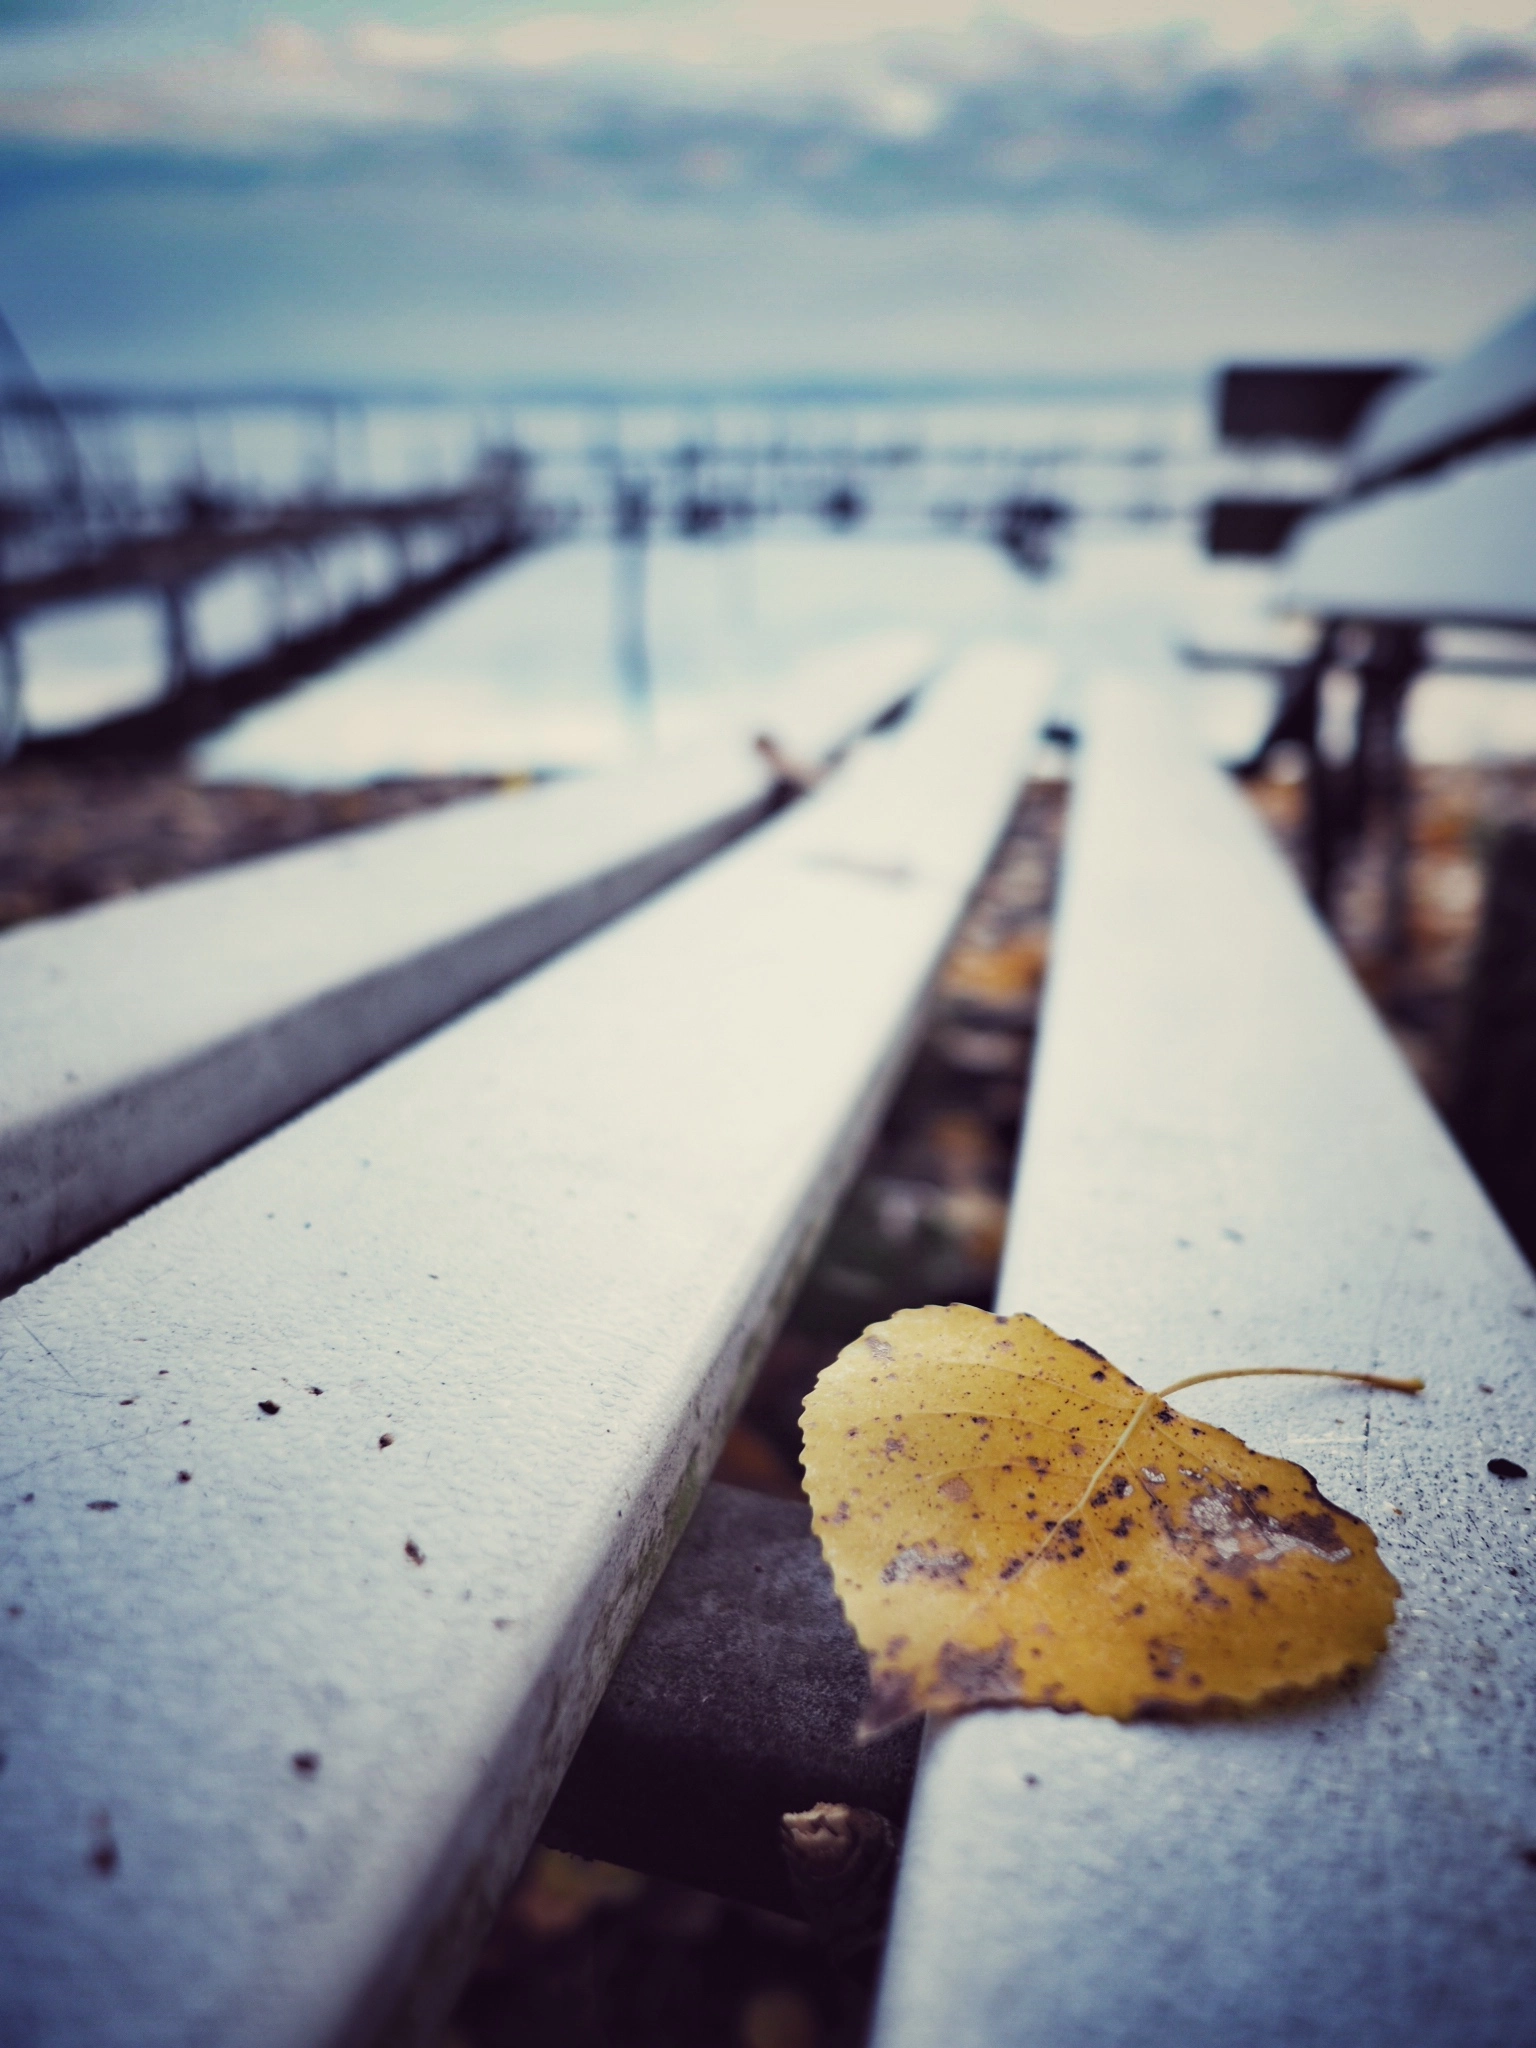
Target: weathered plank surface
146 1039
1225 1164
737 1701
1491 390
1459 548
531 1263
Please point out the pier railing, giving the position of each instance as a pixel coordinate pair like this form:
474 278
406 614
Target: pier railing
84 518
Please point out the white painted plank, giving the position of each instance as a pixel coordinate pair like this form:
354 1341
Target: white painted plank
145 1039
1419 420
1226 1164
1460 548
542 1251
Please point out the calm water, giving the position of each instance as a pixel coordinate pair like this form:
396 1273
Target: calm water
522 671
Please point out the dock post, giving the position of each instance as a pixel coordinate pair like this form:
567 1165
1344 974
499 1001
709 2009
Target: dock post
631 526
12 719
178 644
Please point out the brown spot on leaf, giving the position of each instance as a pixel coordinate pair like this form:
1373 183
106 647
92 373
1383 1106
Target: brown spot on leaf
1165 1659
925 1561
892 1700
955 1488
1231 1533
980 1678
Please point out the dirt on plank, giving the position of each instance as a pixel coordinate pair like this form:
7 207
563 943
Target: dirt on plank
78 834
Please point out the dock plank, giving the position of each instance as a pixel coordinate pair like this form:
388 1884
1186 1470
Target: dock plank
1457 548
147 1038
529 1266
1227 1164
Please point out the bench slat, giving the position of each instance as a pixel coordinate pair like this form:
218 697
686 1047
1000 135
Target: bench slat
1459 548
146 1039
542 1252
1226 1164
1432 419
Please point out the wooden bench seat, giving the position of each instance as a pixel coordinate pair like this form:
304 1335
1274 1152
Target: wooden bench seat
1226 1164
335 1483
1454 548
147 1039
1434 524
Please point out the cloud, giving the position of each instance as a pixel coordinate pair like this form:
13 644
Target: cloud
835 109
755 187
421 281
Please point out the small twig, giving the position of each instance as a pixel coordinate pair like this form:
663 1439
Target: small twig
841 1862
794 778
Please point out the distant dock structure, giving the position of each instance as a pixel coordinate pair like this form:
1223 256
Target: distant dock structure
321 523
341 567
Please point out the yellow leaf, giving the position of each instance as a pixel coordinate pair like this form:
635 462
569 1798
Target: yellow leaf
1008 1518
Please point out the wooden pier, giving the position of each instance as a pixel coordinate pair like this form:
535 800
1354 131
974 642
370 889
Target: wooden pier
70 537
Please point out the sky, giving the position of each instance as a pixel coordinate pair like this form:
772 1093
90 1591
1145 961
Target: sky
648 193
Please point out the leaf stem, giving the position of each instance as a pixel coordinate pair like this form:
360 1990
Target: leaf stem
1196 1379
1300 1372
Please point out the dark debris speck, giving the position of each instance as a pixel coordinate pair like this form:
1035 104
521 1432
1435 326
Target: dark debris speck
1506 1468
269 1407
306 1762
